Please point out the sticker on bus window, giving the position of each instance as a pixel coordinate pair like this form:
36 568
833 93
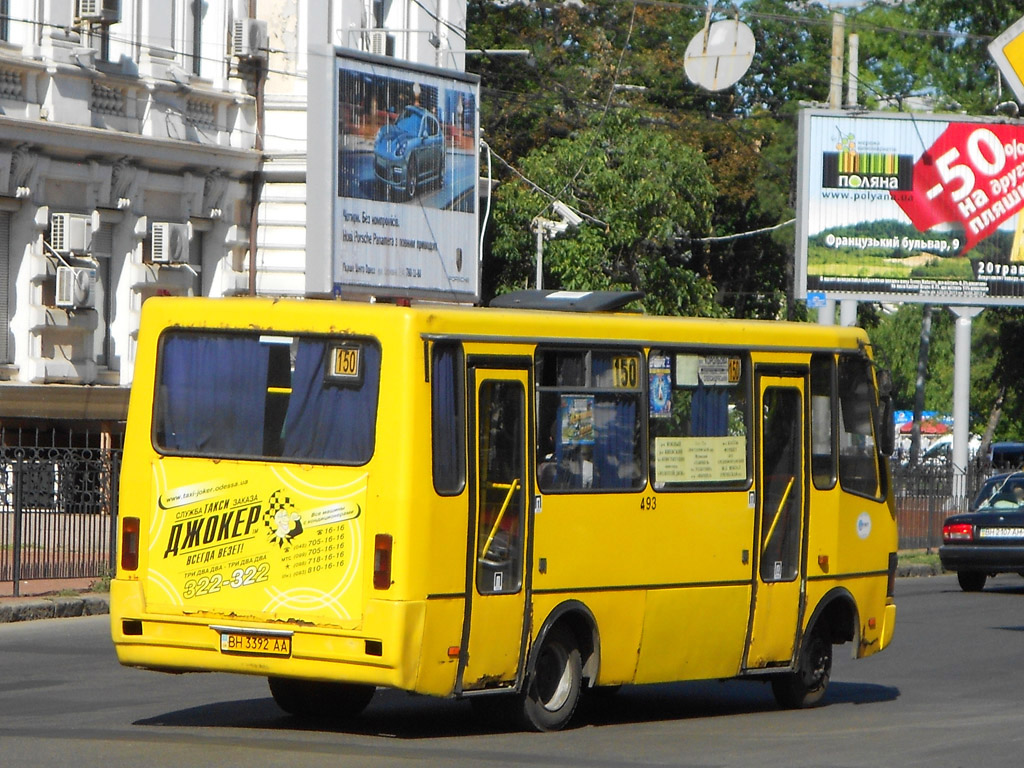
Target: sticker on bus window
344 365
719 371
577 420
700 459
659 374
686 370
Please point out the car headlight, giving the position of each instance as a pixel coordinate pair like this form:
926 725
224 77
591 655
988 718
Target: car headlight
400 147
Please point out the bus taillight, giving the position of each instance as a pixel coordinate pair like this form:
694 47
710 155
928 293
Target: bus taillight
130 543
382 561
958 532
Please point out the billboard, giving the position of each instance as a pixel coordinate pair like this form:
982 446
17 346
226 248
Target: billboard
399 169
903 207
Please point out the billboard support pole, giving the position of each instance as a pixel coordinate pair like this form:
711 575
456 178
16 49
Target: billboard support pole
961 399
848 312
827 313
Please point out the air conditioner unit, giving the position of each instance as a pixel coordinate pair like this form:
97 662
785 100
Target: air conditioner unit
170 243
70 232
100 11
377 41
76 287
250 39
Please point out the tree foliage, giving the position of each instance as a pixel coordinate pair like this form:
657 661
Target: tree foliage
642 193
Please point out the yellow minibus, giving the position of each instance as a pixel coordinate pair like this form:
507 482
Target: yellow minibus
512 504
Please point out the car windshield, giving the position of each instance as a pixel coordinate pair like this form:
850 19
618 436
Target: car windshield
408 122
1001 492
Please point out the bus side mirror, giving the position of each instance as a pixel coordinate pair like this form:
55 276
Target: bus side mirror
886 429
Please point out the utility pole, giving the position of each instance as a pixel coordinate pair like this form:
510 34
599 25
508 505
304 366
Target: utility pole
853 77
835 93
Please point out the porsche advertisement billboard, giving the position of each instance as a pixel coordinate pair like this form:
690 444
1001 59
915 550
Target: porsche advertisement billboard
398 182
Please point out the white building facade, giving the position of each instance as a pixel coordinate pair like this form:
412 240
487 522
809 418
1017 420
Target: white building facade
148 147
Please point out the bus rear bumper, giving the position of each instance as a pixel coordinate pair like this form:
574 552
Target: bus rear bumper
192 643
888 626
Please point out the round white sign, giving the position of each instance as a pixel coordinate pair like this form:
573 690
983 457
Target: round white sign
718 56
864 525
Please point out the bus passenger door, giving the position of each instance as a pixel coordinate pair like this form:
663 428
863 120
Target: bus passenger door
779 581
493 646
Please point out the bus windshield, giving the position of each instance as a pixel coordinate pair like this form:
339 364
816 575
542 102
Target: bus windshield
300 398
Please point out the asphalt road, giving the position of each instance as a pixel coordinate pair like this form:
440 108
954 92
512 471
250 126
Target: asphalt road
949 692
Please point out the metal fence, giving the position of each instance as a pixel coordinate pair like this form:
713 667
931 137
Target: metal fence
58 507
924 497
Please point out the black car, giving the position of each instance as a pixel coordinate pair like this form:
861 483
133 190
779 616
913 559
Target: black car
990 538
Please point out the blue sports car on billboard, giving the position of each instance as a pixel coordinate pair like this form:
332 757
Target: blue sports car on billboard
410 151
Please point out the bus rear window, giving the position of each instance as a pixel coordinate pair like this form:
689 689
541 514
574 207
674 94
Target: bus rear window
297 398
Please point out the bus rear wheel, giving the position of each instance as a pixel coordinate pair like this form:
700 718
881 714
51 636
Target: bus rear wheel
805 686
315 699
554 689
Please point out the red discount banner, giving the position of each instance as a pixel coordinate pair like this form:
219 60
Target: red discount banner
973 175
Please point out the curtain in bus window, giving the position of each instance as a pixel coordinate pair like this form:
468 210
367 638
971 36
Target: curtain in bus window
615 444
710 412
326 421
213 389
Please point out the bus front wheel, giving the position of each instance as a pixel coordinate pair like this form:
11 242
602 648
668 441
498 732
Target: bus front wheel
315 699
805 686
555 685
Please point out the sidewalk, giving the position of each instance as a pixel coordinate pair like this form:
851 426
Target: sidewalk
46 599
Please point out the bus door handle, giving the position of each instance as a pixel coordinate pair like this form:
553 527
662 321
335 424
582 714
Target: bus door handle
778 512
512 487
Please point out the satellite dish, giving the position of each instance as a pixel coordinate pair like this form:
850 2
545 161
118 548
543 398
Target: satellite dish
719 55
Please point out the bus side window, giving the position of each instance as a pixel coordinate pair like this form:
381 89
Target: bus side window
699 416
588 420
448 418
823 454
858 457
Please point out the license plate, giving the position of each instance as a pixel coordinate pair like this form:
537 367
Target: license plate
1001 533
255 644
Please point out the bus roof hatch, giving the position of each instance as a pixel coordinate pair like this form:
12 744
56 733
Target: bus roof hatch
566 301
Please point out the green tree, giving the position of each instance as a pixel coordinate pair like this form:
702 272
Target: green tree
643 191
961 70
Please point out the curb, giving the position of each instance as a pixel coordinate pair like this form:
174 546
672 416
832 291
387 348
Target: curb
54 608
919 569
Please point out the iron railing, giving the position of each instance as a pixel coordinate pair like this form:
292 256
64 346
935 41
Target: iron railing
58 507
924 498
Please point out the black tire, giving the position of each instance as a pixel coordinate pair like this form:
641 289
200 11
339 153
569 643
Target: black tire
971 581
314 699
805 687
412 179
554 687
